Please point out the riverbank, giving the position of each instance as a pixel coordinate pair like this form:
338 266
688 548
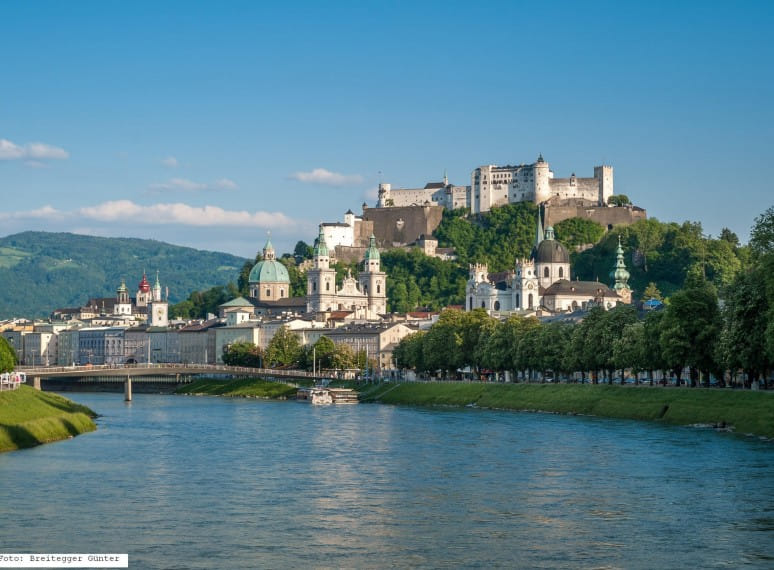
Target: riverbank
29 417
244 388
743 412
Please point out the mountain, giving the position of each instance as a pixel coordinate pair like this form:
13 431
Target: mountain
41 271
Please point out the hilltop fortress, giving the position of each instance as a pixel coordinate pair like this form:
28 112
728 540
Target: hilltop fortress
403 215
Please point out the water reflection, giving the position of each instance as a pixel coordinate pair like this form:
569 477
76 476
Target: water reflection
181 482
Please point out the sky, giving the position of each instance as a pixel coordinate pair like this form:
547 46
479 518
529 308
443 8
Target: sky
210 124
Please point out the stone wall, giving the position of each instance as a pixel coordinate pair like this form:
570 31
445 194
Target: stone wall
402 225
604 215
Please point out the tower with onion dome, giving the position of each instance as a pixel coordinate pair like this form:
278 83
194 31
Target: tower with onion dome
620 276
321 279
373 280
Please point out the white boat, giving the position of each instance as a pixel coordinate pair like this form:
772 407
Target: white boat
323 395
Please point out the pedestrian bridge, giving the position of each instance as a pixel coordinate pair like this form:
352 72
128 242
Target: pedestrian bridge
157 373
160 369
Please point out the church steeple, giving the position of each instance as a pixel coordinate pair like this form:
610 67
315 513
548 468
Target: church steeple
620 275
268 250
539 230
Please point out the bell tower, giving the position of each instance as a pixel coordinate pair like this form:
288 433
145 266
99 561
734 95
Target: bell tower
373 282
321 279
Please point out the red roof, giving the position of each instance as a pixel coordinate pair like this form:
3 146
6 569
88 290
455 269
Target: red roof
144 285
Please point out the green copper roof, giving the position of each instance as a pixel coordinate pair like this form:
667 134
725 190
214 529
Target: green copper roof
238 302
122 288
372 253
619 274
321 248
269 272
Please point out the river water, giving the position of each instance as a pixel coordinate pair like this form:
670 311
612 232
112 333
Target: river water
203 482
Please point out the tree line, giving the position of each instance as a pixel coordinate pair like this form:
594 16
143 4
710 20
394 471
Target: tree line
691 333
286 351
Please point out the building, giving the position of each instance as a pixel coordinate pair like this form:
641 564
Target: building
269 279
366 295
543 283
442 194
378 340
493 185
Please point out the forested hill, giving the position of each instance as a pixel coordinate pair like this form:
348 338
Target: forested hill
41 271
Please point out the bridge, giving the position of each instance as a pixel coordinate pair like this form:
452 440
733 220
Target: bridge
176 373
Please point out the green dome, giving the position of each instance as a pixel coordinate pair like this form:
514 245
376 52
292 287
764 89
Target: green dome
269 272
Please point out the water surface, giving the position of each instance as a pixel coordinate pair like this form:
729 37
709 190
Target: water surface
204 482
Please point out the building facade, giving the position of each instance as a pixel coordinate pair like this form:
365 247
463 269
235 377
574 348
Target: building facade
493 185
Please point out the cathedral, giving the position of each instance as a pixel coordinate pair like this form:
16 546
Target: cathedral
543 283
366 296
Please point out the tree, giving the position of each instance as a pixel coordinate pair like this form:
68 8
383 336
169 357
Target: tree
762 234
619 200
303 250
745 316
629 348
7 356
243 354
691 328
284 348
442 346
652 292
578 231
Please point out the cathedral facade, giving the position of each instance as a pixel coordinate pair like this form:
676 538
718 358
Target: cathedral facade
366 296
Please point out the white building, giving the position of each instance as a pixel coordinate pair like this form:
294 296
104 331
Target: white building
366 295
542 282
499 185
436 193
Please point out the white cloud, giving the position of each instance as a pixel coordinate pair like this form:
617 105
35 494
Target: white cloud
170 162
184 185
323 176
33 152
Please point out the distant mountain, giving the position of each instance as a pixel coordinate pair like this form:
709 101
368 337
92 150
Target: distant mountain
41 271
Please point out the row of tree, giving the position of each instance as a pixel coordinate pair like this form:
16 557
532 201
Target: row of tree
285 351
691 332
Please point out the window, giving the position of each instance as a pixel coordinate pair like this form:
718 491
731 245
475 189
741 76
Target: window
327 286
378 289
561 272
314 286
268 292
497 306
518 305
483 306
471 303
545 272
530 300
282 292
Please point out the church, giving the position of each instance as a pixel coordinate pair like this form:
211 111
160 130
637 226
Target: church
542 283
365 296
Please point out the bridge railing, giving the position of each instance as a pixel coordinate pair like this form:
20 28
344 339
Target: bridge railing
191 368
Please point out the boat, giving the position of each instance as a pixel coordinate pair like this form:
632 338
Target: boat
322 395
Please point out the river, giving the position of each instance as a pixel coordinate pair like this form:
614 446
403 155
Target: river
203 482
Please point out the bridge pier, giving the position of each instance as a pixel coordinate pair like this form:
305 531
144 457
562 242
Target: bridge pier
36 382
128 389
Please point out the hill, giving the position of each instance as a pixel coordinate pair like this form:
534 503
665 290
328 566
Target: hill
41 271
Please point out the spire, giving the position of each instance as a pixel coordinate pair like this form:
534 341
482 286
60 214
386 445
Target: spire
539 231
372 253
320 248
445 178
619 274
268 249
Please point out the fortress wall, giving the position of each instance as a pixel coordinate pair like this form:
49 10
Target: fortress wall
605 216
403 225
587 188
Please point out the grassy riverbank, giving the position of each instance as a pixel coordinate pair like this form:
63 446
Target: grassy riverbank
245 388
29 417
744 411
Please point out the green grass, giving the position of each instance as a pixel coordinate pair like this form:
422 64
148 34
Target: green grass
10 256
745 411
29 417
248 387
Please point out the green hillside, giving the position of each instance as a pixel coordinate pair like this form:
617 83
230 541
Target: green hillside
41 271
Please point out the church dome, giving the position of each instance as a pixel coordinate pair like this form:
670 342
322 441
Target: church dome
550 250
269 271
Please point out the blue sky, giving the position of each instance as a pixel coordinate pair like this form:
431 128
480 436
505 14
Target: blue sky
207 124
